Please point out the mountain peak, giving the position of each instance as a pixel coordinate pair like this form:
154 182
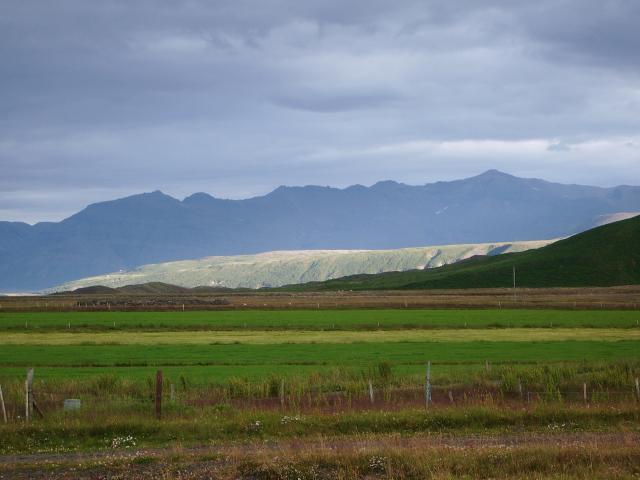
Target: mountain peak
198 197
155 195
386 185
493 173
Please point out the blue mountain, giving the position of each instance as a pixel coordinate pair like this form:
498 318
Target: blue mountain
154 227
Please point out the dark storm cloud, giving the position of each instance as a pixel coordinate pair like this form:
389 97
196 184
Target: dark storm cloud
101 99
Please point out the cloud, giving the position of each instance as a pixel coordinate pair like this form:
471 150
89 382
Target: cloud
559 147
101 99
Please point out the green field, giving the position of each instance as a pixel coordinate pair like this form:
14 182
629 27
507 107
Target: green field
316 320
213 347
218 363
303 375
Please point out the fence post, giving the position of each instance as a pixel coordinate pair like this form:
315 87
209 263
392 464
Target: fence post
28 387
451 397
282 393
371 391
159 394
584 392
4 410
26 400
427 386
520 389
638 389
172 393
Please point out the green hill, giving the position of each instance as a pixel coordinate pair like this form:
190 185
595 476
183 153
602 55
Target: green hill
274 269
150 288
604 256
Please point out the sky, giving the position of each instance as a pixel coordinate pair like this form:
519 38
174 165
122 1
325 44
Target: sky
103 99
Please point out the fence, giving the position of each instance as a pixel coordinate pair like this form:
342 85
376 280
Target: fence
38 399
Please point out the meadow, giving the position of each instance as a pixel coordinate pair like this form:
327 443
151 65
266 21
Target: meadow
212 347
316 319
355 377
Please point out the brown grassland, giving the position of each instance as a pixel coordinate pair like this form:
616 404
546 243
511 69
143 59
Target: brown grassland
626 297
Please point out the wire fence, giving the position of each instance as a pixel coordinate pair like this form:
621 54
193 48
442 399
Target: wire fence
43 399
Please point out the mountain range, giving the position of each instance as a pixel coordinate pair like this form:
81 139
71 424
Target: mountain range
154 227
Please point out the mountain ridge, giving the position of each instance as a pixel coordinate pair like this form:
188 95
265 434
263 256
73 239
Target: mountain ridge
608 255
154 227
275 269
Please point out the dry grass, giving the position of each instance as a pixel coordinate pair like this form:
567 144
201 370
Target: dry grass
259 337
627 297
370 456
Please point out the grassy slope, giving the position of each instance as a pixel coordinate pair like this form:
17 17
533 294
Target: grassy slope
281 268
604 256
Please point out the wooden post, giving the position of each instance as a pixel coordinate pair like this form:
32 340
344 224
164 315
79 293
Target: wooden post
26 400
172 396
4 410
487 367
159 394
28 387
520 388
584 391
427 386
282 393
638 389
371 391
451 397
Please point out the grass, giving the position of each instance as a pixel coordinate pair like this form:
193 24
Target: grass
247 380
316 354
96 428
257 337
258 380
315 320
497 462
603 256
312 461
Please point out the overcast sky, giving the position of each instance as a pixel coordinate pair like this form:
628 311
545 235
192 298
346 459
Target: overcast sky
101 99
